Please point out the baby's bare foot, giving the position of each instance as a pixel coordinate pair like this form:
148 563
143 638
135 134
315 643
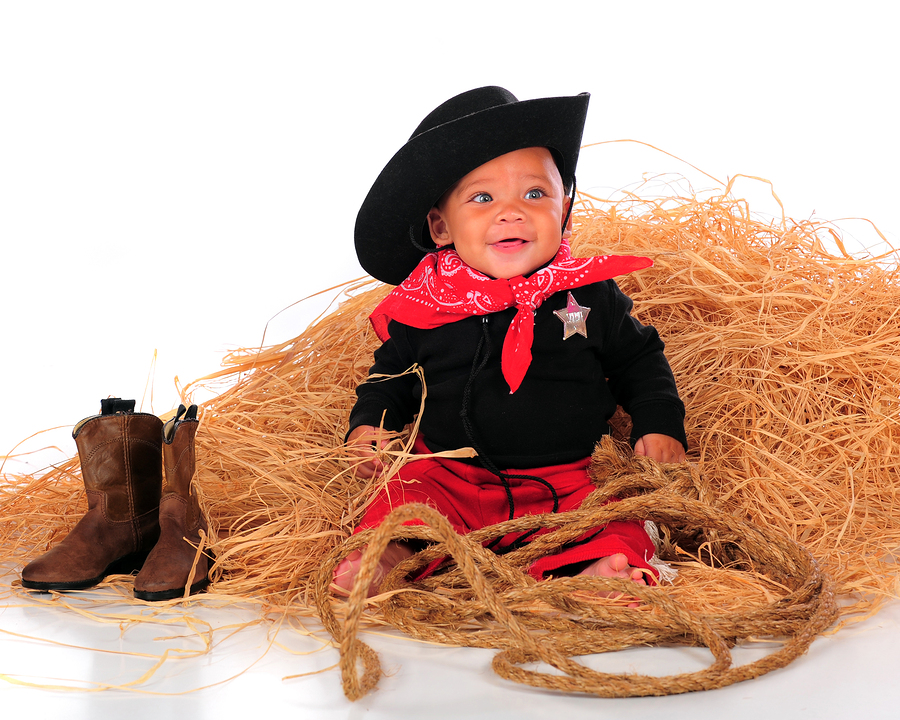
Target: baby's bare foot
348 568
615 566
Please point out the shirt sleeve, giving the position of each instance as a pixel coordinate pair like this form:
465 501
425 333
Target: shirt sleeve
390 402
638 372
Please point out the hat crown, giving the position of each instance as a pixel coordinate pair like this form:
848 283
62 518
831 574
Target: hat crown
464 104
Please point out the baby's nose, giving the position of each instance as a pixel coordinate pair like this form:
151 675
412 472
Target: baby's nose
510 212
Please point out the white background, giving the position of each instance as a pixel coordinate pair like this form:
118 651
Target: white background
174 174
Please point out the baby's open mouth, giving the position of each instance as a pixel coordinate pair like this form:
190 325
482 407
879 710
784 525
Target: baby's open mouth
510 242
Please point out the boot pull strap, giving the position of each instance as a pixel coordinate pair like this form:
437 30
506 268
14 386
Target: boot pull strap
108 406
186 413
172 424
181 415
112 406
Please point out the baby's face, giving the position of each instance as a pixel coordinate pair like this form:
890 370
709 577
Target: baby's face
505 217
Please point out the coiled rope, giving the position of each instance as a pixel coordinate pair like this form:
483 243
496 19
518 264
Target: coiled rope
488 601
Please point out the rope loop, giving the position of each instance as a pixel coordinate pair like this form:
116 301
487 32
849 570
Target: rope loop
480 599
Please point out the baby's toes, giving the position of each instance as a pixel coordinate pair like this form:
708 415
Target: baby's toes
619 566
638 576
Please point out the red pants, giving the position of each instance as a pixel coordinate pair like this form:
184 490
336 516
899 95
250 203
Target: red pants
471 497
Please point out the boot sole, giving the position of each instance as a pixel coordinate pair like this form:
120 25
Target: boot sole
172 593
127 565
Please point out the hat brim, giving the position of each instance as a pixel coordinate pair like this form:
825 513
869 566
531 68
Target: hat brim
430 163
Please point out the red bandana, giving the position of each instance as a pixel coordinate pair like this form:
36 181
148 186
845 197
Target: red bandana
443 289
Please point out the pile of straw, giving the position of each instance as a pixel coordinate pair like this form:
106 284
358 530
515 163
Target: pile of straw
787 356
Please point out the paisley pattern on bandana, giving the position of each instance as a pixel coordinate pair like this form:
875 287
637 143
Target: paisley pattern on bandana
443 289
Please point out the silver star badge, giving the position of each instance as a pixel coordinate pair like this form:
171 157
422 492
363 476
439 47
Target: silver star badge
573 318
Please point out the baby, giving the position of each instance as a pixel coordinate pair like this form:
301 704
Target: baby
526 351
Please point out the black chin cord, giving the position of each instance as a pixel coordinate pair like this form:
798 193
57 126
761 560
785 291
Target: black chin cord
417 245
478 364
571 204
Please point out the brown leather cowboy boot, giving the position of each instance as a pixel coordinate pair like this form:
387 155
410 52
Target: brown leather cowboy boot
121 466
165 573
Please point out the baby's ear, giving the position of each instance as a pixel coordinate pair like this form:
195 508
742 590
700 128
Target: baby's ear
567 230
437 226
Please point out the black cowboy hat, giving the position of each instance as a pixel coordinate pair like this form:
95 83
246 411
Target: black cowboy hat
460 135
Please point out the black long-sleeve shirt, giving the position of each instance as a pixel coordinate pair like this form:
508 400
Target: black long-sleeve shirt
563 405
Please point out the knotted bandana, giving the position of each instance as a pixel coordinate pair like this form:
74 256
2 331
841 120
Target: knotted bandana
443 289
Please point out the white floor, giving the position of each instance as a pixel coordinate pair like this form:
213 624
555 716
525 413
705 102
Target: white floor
91 644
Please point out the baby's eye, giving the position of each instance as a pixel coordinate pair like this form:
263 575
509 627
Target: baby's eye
482 198
534 194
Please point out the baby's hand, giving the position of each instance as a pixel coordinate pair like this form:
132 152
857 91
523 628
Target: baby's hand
661 448
366 441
